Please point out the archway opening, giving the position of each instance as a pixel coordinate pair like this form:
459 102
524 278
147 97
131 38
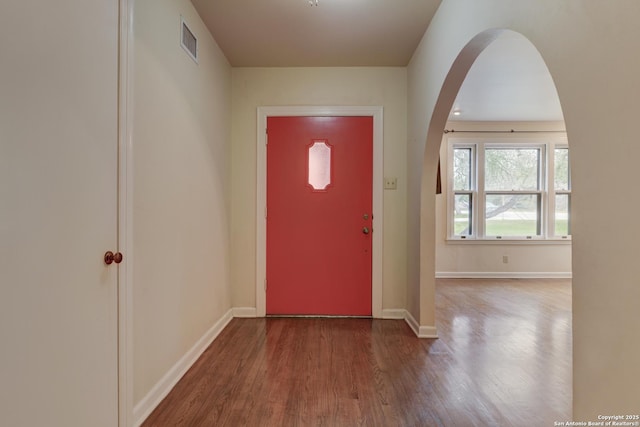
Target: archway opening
506 188
504 211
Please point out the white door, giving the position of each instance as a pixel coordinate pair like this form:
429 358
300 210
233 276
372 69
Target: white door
58 213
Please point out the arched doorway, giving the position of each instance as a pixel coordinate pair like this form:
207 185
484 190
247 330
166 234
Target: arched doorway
505 203
596 82
489 365
443 107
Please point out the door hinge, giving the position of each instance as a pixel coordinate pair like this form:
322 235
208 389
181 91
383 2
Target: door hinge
265 285
265 212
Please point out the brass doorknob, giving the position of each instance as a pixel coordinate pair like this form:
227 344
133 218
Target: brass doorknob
365 230
110 257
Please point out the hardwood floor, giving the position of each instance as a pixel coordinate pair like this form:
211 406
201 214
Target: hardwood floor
503 359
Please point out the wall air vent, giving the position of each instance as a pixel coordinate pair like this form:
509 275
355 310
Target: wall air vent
188 40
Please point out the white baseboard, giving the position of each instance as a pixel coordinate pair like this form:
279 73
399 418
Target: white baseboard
144 408
502 275
394 313
420 331
247 312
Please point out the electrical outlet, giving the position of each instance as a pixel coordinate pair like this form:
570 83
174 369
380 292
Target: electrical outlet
390 183
505 259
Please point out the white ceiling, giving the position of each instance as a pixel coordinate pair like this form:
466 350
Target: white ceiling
292 33
508 82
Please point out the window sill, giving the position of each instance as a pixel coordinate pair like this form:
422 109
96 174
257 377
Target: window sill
549 242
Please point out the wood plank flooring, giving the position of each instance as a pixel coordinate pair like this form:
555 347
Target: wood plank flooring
503 359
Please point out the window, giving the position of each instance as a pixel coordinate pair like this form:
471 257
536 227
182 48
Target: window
319 165
562 188
513 190
463 183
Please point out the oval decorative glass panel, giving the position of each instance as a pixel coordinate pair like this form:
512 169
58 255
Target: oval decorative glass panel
319 165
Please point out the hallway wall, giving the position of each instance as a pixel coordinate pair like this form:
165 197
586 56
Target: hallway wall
589 48
181 158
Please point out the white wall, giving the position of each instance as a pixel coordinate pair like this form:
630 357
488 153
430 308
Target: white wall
181 155
589 49
254 87
455 258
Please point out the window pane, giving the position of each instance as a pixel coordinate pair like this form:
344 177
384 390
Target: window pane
512 215
562 225
319 165
462 215
462 169
562 169
512 169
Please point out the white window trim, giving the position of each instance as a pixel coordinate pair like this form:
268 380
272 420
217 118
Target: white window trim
548 144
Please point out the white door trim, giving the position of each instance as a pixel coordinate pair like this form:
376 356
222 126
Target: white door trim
261 194
125 214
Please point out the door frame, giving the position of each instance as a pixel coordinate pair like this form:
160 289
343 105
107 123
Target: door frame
125 213
376 112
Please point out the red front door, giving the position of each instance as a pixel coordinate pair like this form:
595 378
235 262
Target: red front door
319 215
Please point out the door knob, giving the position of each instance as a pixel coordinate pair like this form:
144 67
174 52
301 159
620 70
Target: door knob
365 230
110 257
